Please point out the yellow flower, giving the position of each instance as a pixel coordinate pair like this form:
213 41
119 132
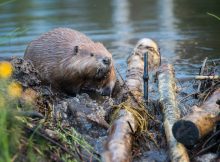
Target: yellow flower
5 69
14 89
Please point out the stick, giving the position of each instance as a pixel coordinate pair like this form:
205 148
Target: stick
199 77
32 114
146 77
201 73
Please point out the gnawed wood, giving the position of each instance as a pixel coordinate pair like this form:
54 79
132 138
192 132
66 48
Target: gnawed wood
120 139
118 146
199 123
167 89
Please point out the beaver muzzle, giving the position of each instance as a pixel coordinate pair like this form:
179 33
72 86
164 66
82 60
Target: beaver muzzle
106 61
102 72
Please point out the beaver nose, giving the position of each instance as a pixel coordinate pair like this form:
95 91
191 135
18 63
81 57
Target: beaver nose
106 61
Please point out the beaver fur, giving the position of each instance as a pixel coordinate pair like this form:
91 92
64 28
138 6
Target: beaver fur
69 60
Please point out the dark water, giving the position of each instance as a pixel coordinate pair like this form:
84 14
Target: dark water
184 31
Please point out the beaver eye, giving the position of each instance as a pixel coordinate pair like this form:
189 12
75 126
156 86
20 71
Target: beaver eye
91 54
76 50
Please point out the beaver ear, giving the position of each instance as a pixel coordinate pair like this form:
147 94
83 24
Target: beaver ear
76 50
99 44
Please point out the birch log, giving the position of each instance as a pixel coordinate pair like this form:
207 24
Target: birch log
119 142
167 89
199 123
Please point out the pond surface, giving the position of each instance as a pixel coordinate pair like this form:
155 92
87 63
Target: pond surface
185 32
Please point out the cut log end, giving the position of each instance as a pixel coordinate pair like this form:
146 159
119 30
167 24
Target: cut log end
186 132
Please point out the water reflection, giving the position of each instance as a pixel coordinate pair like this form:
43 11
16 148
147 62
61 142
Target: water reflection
168 28
123 30
202 31
185 32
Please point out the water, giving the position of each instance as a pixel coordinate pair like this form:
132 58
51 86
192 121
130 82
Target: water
184 31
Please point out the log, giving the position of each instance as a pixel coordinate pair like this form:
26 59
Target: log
199 123
167 90
119 142
120 139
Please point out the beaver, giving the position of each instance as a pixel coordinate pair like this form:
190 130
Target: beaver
68 60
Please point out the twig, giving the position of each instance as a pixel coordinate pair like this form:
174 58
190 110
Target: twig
52 141
206 149
130 127
201 73
78 153
14 157
208 91
32 114
213 60
187 97
145 78
207 141
120 75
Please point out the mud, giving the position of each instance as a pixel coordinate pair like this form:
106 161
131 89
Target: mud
90 114
86 115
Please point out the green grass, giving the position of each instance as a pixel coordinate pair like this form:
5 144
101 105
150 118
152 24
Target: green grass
210 14
10 131
74 139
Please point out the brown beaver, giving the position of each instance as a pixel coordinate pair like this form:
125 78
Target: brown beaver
69 60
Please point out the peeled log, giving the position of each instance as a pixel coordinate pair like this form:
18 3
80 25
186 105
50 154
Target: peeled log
118 146
167 89
119 142
199 123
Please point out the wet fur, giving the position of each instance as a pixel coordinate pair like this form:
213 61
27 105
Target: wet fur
69 60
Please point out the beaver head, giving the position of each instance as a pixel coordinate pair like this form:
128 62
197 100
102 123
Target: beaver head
92 61
90 65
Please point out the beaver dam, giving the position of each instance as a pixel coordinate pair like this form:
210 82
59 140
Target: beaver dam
151 115
65 97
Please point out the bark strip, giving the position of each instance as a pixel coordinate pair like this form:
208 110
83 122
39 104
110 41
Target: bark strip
199 123
167 89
